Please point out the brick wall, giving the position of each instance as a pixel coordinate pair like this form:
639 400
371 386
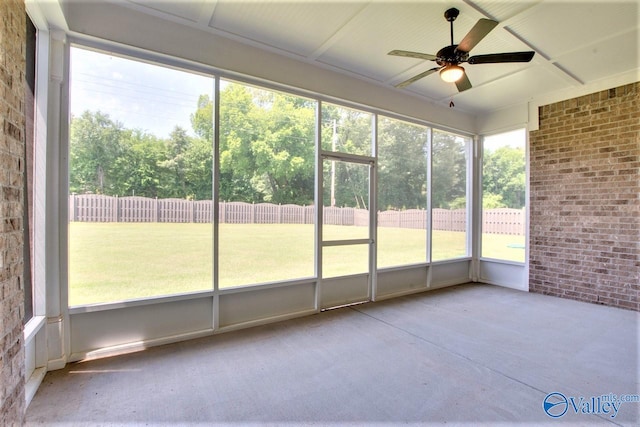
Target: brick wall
585 205
12 130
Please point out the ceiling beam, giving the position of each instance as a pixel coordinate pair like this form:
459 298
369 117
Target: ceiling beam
339 34
206 12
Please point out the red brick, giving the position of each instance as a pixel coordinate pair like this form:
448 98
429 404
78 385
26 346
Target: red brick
12 136
584 187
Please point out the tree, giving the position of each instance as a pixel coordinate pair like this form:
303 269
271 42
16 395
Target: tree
266 144
402 165
198 170
106 158
138 169
492 201
267 153
504 175
202 118
175 183
284 152
448 169
238 131
235 138
94 147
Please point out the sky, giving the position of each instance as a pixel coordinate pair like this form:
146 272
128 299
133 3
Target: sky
139 95
514 138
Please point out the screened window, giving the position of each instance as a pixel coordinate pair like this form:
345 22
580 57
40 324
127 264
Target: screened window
449 160
267 181
28 216
402 193
140 180
141 185
503 196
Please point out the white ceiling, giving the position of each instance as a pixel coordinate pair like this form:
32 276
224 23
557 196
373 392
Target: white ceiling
577 43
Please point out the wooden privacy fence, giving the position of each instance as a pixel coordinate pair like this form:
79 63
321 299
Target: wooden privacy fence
503 221
99 208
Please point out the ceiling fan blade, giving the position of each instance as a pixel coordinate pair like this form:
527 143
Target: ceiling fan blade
463 83
477 33
416 78
494 58
409 54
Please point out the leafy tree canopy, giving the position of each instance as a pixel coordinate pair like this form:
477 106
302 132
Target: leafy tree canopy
267 154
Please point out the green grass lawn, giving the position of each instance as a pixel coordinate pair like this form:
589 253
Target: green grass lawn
119 261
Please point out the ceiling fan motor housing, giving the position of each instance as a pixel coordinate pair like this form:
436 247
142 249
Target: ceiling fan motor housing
449 55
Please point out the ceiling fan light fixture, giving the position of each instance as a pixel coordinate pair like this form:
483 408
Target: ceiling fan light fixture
451 73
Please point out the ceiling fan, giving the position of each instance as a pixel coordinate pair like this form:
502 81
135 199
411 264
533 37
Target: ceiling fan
450 57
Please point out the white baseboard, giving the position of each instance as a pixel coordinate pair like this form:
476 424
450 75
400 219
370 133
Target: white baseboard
137 346
33 383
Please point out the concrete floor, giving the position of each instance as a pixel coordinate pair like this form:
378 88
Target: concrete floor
468 355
